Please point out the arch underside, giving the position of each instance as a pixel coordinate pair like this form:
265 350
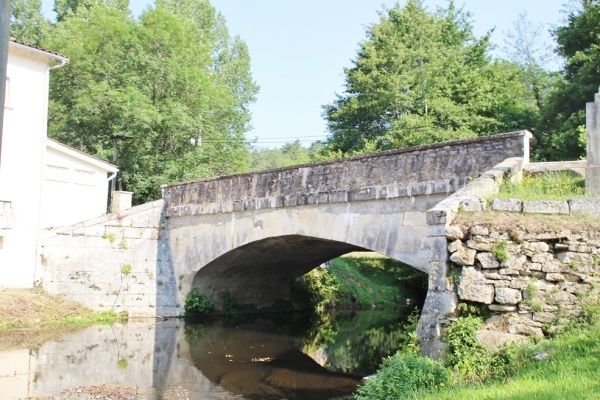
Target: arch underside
261 273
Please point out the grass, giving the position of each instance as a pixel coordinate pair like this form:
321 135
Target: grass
548 186
35 309
365 282
569 372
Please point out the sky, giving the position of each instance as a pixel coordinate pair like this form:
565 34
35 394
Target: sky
299 50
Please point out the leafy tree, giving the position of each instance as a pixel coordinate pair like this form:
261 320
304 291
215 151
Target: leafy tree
564 116
423 77
164 97
27 24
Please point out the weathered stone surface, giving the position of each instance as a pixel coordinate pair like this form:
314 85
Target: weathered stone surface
474 287
455 246
520 283
502 308
481 246
479 231
507 205
516 263
552 267
473 205
542 258
495 340
536 247
585 206
454 232
543 316
463 256
578 259
545 207
508 296
487 260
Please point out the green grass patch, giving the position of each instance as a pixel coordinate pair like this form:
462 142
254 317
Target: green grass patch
548 186
379 282
570 370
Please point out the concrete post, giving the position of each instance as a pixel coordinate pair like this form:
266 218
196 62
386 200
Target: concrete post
121 201
592 125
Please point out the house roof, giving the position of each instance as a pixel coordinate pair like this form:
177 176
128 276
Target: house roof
38 50
80 155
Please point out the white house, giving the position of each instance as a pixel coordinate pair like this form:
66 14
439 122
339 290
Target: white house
42 182
75 185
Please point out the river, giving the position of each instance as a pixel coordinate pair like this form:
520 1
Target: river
280 356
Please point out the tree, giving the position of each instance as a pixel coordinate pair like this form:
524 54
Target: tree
27 24
423 77
564 116
153 95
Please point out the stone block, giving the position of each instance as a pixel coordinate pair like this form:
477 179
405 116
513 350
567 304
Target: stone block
536 247
545 207
479 245
473 205
362 193
502 308
592 180
463 256
479 231
474 287
589 206
454 232
487 261
455 246
507 205
508 296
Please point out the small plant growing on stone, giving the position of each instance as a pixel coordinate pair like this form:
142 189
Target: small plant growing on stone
126 269
573 264
454 275
500 251
123 245
110 236
595 260
197 303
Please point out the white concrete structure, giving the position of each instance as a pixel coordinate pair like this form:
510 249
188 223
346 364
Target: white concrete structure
75 185
23 149
28 201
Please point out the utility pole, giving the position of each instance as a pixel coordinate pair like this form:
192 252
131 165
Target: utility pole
4 32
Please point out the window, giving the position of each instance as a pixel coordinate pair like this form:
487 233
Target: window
84 177
56 173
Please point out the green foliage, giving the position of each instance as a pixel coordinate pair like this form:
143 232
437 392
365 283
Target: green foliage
423 77
230 308
570 372
383 282
165 96
564 115
27 24
197 303
402 376
321 288
500 251
469 360
547 186
287 155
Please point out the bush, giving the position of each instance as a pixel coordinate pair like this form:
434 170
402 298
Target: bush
197 303
404 375
468 358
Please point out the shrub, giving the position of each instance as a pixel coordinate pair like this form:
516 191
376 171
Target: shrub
500 251
197 303
468 358
321 287
404 375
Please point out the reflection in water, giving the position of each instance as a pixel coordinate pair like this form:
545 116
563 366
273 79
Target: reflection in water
291 356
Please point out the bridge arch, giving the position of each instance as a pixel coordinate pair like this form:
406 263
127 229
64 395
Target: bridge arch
219 252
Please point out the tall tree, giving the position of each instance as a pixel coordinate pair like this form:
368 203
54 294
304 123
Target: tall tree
27 24
422 77
564 116
150 94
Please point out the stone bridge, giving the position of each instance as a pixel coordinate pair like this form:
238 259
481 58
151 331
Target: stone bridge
253 234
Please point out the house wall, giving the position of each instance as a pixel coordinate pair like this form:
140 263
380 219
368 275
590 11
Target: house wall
23 148
74 190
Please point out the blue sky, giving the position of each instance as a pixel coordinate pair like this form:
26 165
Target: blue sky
299 50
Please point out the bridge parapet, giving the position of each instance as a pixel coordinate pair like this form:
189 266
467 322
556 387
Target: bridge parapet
423 170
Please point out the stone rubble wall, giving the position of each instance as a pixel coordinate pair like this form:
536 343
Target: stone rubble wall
532 283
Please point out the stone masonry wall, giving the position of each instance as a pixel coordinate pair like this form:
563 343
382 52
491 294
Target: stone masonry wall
422 170
531 282
119 262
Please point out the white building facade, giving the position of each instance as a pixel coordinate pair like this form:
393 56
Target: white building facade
30 199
